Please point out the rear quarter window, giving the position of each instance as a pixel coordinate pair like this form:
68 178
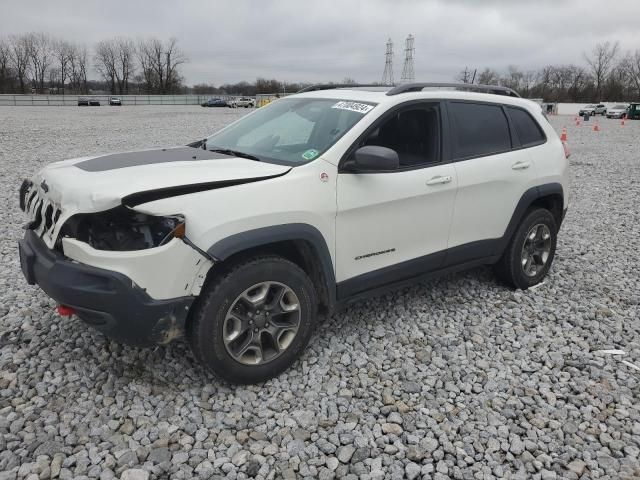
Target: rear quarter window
478 129
528 131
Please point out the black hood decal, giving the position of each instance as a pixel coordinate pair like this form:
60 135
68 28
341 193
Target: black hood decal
147 157
175 191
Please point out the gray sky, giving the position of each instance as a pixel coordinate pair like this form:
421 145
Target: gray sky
229 41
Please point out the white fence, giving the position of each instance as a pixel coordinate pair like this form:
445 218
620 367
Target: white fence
72 100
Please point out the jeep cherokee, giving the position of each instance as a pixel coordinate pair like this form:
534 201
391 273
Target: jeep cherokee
322 198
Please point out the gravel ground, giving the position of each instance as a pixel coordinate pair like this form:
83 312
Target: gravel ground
458 378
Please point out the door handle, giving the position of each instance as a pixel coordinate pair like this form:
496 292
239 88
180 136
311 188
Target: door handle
521 165
439 180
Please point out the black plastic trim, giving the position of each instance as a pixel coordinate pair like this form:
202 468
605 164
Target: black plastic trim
109 301
239 242
174 191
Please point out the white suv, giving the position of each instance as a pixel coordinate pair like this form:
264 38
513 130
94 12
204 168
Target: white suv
322 198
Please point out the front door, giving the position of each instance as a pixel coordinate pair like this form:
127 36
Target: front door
395 225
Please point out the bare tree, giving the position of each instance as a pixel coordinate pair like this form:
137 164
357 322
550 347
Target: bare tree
465 76
105 62
40 58
19 56
5 69
488 77
600 62
78 68
125 69
631 64
63 52
159 63
144 54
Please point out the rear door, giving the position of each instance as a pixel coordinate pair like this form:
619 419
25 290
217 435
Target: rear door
395 225
493 173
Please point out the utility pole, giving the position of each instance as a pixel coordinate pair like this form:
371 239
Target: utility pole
387 76
408 74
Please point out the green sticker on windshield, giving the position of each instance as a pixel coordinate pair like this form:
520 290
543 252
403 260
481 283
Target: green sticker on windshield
310 154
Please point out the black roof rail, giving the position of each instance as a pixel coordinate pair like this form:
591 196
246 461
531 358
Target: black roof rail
329 86
417 87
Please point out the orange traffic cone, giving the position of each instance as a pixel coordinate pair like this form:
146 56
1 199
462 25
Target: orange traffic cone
575 119
596 127
577 123
563 137
622 122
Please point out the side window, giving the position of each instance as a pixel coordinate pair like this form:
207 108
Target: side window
478 129
527 128
413 132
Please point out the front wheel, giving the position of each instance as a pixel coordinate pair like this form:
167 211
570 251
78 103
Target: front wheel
529 255
253 322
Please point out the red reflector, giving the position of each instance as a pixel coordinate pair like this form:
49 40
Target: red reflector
567 153
65 311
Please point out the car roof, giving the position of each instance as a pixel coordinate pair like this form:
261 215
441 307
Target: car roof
379 95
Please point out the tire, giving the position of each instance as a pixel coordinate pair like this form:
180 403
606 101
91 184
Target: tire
225 308
511 267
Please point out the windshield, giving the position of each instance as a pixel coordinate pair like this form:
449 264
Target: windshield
619 107
290 131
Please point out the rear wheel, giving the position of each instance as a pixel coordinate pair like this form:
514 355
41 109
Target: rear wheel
530 253
254 321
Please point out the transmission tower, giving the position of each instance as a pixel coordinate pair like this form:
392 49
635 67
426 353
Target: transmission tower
408 74
387 76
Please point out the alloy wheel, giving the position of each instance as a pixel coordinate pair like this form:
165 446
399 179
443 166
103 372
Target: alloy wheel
261 323
536 249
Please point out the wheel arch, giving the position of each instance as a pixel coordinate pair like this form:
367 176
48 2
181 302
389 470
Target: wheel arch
301 243
549 196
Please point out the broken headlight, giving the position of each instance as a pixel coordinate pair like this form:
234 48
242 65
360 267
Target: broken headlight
122 229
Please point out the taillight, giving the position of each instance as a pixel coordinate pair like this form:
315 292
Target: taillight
567 153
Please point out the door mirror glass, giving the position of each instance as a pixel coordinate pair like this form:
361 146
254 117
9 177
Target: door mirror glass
375 158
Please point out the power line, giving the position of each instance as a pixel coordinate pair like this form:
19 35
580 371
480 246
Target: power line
408 75
387 76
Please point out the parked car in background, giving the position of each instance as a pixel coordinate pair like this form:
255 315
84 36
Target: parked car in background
215 102
600 109
633 112
617 111
94 102
242 102
115 101
83 102
587 110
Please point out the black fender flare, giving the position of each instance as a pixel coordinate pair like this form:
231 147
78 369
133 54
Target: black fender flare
246 240
526 200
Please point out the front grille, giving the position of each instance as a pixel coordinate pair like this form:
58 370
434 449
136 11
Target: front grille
43 214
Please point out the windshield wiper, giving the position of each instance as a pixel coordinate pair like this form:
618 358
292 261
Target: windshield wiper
235 153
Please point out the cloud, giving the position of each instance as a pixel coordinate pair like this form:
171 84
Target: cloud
228 41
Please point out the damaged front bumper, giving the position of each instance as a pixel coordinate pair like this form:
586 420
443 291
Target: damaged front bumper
107 300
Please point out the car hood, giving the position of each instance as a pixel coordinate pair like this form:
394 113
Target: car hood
92 184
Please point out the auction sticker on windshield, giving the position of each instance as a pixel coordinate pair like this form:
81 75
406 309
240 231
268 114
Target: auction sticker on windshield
310 154
353 106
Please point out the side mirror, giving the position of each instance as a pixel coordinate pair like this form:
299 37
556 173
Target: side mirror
374 158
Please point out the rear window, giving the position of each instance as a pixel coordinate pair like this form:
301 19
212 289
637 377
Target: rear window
526 127
478 129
